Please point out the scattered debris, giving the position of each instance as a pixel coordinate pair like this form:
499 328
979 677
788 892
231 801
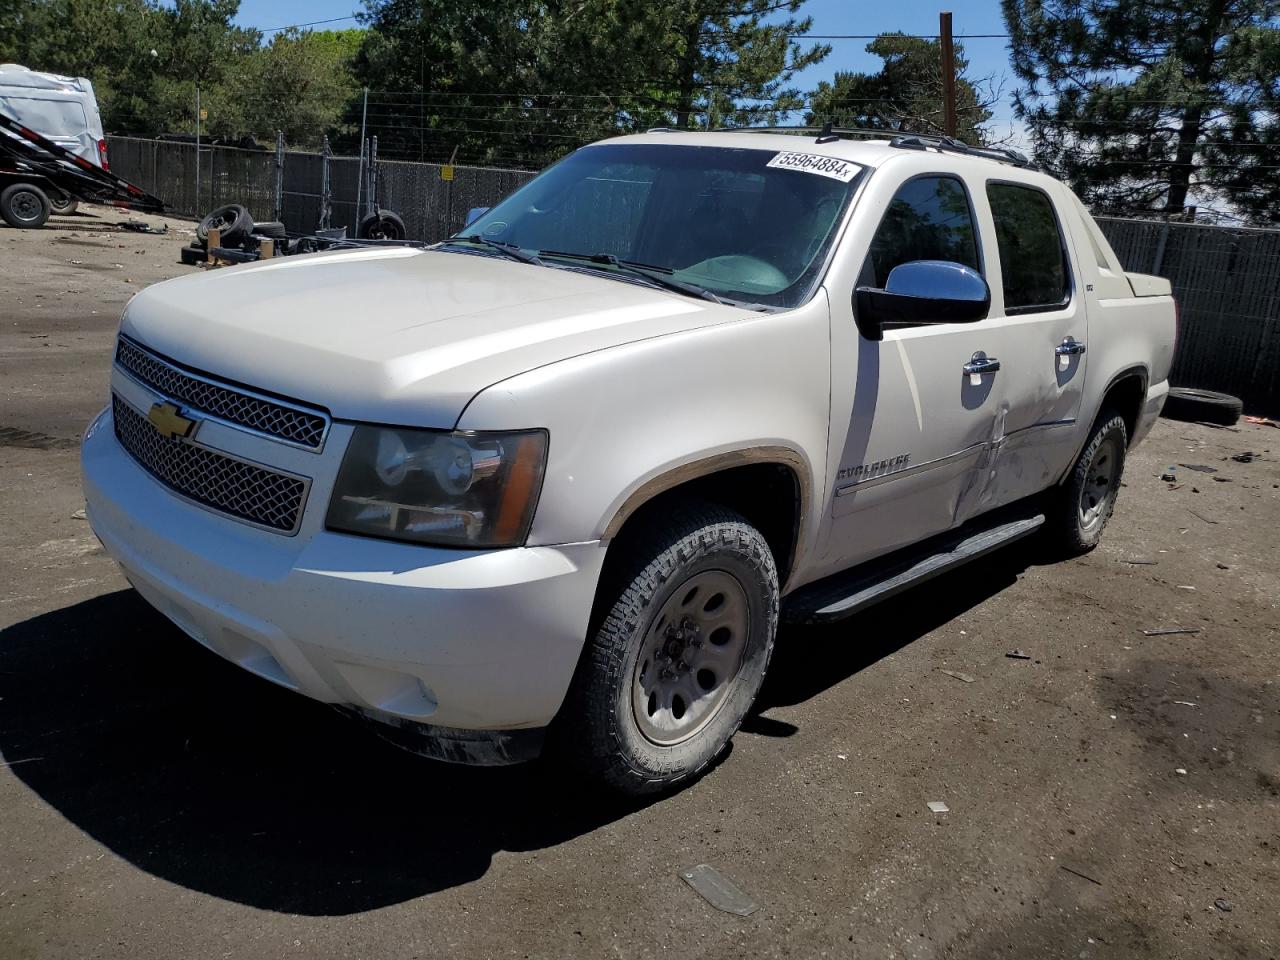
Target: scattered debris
139 226
1181 771
1185 586
966 677
1169 475
1018 655
1222 480
1141 563
1187 703
79 515
718 890
1222 566
1168 631
1199 467
1083 876
937 806
842 756
1247 457
1205 519
1223 905
1262 421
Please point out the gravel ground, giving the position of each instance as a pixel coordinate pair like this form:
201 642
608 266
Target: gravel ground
1103 795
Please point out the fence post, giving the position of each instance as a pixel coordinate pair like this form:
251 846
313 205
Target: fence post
325 153
1158 261
364 116
195 204
279 209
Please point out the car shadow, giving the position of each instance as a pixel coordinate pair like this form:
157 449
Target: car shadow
845 647
202 774
209 777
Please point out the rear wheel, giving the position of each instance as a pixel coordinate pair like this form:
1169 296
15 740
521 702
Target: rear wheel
1080 507
62 204
675 665
24 205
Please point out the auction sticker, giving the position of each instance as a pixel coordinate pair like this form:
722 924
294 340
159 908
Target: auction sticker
832 167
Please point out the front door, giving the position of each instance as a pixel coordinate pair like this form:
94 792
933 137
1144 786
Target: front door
919 410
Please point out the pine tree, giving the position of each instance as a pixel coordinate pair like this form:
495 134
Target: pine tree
1146 106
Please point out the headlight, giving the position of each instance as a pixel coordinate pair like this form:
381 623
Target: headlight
448 489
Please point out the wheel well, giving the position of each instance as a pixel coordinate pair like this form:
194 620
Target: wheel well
1126 396
768 495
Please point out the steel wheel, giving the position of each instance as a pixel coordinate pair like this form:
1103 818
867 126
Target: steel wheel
690 657
26 206
1100 482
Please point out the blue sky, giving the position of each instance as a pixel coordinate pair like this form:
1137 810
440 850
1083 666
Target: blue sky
986 57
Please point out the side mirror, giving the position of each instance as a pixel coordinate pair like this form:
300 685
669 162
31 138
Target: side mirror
474 214
922 291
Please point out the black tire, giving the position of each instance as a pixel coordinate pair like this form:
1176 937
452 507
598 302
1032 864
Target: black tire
1078 509
24 205
62 204
662 573
383 225
192 255
273 229
1188 403
233 221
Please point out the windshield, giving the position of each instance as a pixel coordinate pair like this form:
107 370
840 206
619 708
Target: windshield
731 221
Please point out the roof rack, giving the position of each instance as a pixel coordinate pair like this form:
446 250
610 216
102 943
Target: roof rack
897 138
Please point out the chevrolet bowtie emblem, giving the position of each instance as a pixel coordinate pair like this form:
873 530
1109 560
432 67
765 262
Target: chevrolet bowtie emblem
168 419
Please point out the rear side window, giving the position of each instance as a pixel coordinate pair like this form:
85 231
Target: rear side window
52 118
1032 257
929 218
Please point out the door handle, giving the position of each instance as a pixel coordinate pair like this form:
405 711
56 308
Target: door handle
981 364
1070 347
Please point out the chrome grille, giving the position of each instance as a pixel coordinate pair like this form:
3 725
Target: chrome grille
234 404
222 483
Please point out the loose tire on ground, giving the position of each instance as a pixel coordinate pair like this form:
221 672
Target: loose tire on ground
689 613
1077 511
383 225
234 223
270 228
1189 403
62 204
24 205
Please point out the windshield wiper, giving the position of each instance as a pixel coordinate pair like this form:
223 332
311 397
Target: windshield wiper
508 249
658 276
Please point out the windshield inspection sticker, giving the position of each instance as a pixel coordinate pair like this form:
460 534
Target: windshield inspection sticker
832 167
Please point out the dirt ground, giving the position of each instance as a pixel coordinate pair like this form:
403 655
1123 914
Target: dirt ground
1103 795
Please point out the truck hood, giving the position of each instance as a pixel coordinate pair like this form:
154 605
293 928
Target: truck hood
397 335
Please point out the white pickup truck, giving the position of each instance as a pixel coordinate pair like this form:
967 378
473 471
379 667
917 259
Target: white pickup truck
550 485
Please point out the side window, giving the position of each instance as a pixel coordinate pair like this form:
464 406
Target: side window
1033 260
928 219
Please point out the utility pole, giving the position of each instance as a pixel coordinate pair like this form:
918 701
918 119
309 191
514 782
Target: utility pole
948 74
364 116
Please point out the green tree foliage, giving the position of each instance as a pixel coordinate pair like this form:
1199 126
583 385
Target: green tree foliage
526 80
146 59
1145 106
905 94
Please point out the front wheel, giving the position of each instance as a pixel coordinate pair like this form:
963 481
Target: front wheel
1080 507
679 657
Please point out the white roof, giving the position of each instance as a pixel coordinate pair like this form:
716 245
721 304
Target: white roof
16 75
866 151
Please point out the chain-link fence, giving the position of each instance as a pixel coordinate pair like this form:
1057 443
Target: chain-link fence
432 199
1227 281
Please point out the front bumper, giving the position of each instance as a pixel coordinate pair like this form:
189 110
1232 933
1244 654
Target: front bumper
472 640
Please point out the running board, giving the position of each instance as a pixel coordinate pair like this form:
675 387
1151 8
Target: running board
844 594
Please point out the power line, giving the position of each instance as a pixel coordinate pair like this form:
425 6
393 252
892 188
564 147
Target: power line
893 36
295 26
